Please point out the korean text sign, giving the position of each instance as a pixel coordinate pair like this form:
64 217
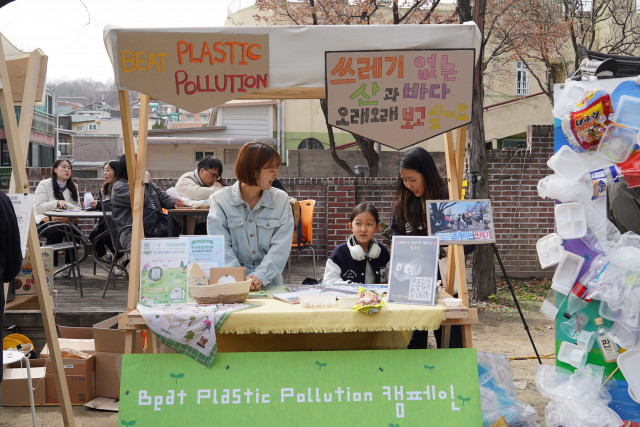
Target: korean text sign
399 97
389 387
194 71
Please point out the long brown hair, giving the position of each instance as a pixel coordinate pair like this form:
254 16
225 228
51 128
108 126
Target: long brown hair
70 185
409 210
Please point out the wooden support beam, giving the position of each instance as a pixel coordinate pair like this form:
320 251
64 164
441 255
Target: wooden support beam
17 149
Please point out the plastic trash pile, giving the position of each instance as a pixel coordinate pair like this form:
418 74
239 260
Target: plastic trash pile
594 262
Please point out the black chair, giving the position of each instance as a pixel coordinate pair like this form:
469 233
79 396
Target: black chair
119 251
72 243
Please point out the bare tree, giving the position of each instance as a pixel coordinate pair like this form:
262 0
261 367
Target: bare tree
340 12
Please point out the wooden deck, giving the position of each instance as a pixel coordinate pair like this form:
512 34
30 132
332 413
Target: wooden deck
72 310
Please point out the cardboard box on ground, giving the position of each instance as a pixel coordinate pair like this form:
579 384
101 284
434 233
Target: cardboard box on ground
100 374
15 386
25 283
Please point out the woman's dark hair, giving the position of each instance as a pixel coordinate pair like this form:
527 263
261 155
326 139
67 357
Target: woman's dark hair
106 187
364 207
70 185
410 209
121 169
253 157
210 162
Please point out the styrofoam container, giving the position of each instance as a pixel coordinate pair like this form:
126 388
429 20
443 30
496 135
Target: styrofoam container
624 336
571 222
568 164
549 250
318 300
572 354
348 301
452 302
607 313
567 272
628 112
617 143
629 363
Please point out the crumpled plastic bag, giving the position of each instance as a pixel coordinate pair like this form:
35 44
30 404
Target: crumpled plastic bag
578 399
497 393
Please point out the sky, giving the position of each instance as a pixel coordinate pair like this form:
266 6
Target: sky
70 32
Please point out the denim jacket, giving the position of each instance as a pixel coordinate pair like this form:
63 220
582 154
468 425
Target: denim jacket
258 239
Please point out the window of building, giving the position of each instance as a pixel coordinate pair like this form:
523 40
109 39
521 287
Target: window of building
190 118
202 154
80 127
45 156
64 148
522 79
93 127
204 118
230 156
85 173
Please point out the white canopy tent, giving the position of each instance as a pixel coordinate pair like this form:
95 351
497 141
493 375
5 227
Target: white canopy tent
184 66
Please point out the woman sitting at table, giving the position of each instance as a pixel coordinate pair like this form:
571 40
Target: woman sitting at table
57 192
154 222
254 218
109 174
419 181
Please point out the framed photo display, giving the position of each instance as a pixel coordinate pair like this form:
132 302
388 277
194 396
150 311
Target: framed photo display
461 222
413 268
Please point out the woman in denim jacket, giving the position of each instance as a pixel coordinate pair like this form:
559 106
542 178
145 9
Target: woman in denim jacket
254 218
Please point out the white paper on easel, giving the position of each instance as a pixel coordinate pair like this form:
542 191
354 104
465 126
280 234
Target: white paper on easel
22 205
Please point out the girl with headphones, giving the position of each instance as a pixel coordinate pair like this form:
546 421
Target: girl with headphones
360 259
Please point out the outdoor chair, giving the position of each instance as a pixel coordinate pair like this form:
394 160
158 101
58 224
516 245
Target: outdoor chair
119 251
306 240
72 242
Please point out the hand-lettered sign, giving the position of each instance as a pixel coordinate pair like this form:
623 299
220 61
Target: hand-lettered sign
399 97
194 71
303 388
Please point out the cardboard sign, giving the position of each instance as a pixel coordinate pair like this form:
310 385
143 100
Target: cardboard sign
194 71
413 269
399 97
25 282
464 222
390 387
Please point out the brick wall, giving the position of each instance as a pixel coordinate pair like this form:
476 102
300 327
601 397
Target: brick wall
520 215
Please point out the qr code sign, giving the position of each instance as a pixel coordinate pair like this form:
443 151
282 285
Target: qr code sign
421 288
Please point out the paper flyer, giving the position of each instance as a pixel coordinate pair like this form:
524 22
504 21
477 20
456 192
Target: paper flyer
207 251
163 271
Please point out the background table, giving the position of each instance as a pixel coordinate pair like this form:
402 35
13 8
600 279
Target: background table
190 215
74 213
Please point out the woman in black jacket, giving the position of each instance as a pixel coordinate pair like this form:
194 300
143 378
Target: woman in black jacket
419 181
155 223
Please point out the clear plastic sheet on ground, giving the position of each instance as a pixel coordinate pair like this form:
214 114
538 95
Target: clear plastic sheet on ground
497 393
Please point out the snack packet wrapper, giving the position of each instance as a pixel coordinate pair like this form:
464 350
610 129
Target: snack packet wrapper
584 127
369 302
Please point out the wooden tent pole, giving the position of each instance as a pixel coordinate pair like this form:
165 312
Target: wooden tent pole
456 269
136 167
17 149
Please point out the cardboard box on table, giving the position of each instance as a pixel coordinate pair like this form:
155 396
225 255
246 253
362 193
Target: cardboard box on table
15 384
25 282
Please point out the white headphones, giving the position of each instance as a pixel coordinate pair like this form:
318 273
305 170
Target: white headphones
356 251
